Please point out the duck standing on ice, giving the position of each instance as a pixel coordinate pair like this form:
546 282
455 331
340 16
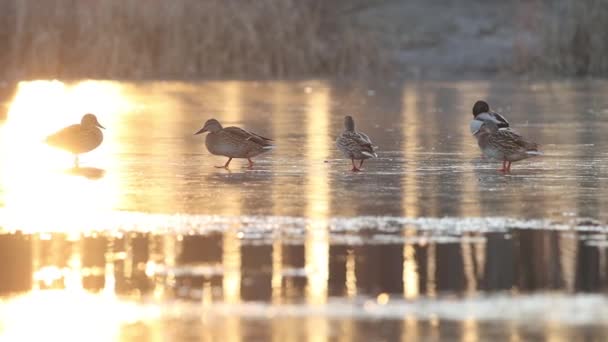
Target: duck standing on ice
233 142
355 145
504 145
78 138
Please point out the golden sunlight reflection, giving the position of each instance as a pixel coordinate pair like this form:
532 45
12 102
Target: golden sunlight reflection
318 329
351 275
470 331
280 106
67 315
192 254
277 271
410 143
231 260
232 266
409 188
34 176
410 331
411 288
431 268
317 192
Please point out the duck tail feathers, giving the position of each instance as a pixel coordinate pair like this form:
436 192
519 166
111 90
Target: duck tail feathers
534 153
371 155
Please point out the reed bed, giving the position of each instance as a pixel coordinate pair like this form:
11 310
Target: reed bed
575 38
186 39
183 39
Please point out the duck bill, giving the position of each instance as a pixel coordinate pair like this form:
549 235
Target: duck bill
99 125
202 130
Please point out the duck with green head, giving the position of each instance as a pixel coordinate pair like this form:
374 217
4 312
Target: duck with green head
482 112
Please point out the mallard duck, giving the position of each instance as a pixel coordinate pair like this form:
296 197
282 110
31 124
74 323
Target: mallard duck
481 113
504 145
233 142
355 145
79 138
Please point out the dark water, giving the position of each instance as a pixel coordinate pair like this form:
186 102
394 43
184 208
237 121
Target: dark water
151 242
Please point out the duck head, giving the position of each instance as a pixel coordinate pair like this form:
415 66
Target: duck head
480 107
90 120
211 125
349 123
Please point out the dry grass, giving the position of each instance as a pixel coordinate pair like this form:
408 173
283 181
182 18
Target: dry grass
576 38
183 39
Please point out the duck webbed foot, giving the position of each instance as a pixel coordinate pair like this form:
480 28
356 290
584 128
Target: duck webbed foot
250 165
355 168
225 166
506 166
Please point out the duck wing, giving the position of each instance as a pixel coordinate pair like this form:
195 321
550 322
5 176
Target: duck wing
65 137
366 138
243 135
518 139
500 120
511 142
356 141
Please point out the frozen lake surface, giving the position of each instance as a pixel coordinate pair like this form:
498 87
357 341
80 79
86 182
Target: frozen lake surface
149 241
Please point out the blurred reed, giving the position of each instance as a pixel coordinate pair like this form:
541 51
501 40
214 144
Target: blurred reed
182 39
575 38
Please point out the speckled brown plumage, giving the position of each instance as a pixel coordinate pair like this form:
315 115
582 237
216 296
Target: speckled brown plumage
504 145
355 145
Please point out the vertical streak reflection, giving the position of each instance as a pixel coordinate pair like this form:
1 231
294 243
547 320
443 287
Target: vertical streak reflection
277 271
410 331
410 271
317 192
231 244
278 122
351 275
470 331
409 188
468 265
431 268
410 143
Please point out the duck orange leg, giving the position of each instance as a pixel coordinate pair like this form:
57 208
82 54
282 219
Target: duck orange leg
225 165
250 166
504 166
361 163
508 166
354 169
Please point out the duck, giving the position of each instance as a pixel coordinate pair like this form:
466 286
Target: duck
233 142
78 138
355 145
504 145
482 112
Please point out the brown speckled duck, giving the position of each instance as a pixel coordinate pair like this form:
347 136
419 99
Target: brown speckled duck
79 138
233 142
355 145
504 145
